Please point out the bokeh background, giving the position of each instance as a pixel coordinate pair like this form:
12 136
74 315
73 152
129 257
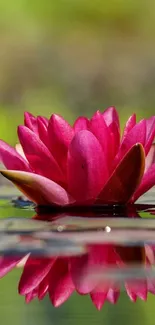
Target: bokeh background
73 57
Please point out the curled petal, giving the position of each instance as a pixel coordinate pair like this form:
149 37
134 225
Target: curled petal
39 189
125 179
60 283
148 182
43 287
31 122
131 122
136 135
23 261
150 158
150 133
11 158
35 270
111 116
38 155
87 168
82 123
43 119
99 128
60 135
19 149
42 129
7 264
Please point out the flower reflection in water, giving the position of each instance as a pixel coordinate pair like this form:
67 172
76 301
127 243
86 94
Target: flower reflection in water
97 272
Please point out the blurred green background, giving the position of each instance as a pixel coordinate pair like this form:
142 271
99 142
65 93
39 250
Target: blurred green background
73 57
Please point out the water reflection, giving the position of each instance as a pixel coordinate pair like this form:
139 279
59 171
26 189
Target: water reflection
97 253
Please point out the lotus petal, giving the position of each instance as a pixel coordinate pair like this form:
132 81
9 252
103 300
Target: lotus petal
79 267
87 169
82 266
60 135
43 287
31 295
38 155
7 264
151 286
150 158
113 295
12 159
60 283
35 270
43 119
111 118
148 182
136 288
98 298
136 135
42 129
150 133
39 189
131 122
125 179
19 149
131 291
99 128
81 123
31 122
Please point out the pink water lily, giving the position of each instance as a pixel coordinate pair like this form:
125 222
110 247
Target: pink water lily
87 163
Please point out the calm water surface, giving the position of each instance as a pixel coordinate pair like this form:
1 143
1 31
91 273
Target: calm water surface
71 234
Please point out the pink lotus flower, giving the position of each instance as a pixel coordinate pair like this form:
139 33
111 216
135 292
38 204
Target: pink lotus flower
87 163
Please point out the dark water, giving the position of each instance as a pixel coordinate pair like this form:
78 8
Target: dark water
53 233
